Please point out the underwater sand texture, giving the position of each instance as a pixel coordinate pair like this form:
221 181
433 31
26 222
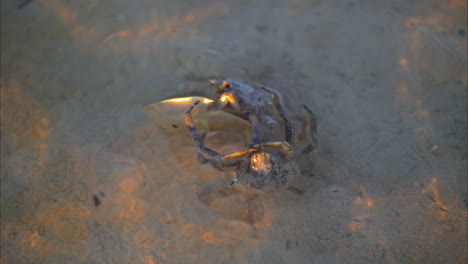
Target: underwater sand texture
87 177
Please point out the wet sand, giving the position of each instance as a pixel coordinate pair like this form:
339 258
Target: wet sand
87 177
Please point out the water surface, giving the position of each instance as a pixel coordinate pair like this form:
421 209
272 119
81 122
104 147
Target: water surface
86 177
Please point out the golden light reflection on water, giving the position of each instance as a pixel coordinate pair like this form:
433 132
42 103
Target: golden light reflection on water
24 120
406 91
431 190
414 69
437 222
154 30
71 20
60 229
414 63
174 221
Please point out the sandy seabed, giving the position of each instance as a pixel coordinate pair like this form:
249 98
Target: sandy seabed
86 177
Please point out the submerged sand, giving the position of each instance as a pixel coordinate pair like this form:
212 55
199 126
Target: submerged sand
87 177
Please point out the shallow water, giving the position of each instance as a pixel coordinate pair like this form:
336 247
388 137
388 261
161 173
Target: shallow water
86 177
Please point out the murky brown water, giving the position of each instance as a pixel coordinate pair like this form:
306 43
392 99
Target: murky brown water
86 177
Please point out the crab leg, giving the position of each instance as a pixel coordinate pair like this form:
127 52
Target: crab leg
242 168
208 155
254 140
254 131
236 155
313 125
285 146
308 131
205 154
288 128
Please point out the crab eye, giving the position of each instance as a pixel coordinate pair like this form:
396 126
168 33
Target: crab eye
224 85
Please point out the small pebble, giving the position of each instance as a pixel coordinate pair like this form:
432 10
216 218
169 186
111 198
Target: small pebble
295 190
96 200
335 188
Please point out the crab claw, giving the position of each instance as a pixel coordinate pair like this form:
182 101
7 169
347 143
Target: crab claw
169 114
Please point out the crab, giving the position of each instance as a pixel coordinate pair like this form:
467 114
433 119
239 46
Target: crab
240 121
258 105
